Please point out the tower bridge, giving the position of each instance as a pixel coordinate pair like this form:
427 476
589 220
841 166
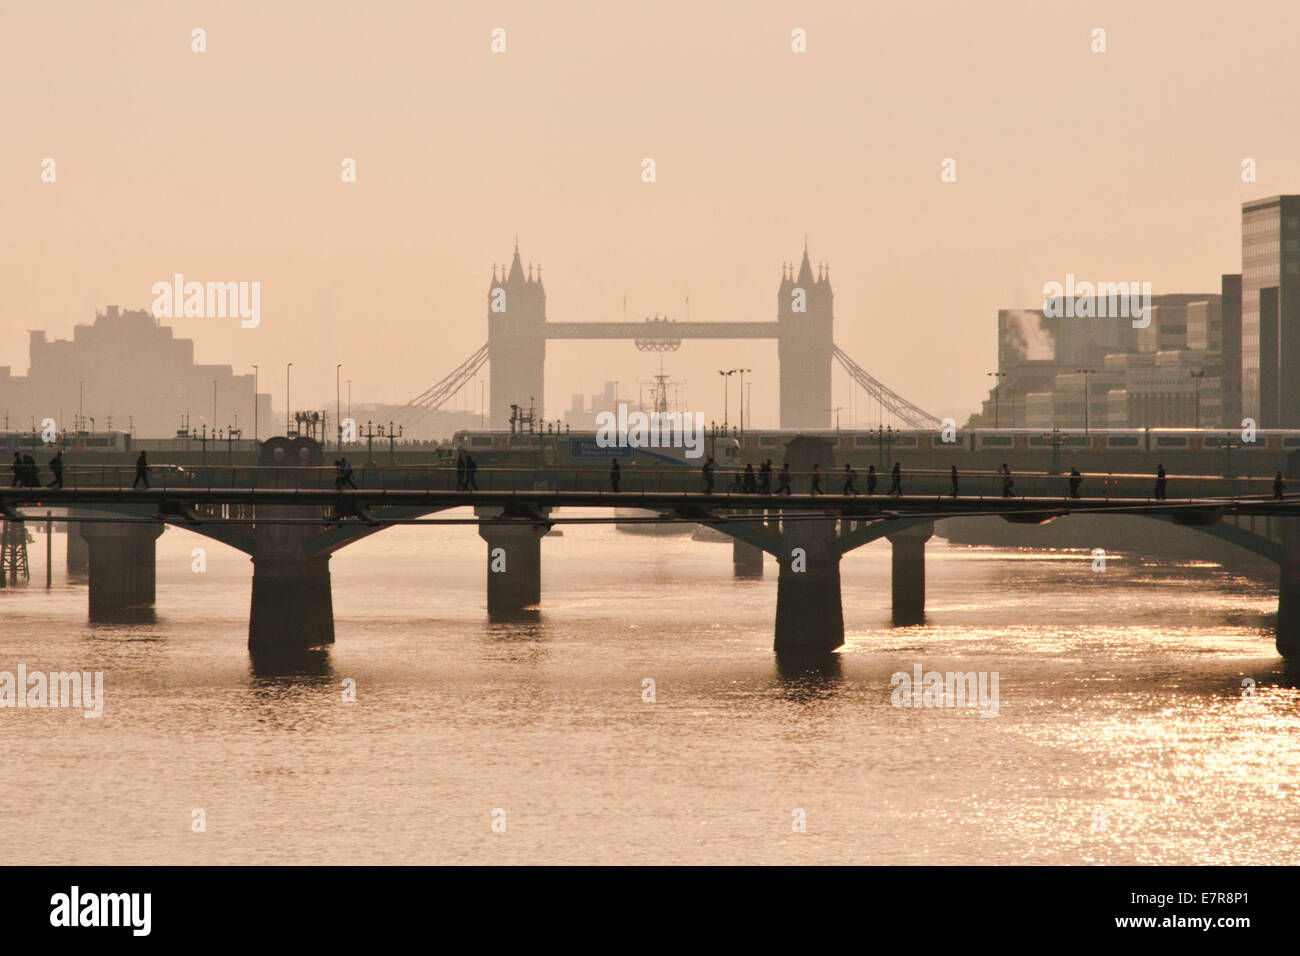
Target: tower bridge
518 331
288 518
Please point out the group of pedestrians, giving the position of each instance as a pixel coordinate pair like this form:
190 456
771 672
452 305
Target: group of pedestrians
27 474
467 471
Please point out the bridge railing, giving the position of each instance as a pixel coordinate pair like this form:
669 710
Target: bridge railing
634 480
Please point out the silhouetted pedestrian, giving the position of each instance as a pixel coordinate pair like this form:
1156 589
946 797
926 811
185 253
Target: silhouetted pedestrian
749 482
896 485
1162 482
347 474
56 469
872 480
850 476
954 481
1279 486
707 470
471 473
765 477
141 471
460 469
19 473
1075 480
1007 481
817 480
784 479
615 474
32 471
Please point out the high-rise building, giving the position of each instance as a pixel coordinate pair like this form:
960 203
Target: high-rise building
1270 311
1231 313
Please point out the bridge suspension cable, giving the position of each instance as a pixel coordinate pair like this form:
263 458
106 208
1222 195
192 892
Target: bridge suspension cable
894 403
437 396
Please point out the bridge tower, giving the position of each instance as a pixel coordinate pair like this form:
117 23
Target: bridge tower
805 344
516 340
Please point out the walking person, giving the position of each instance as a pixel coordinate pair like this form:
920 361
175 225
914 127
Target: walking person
954 481
460 469
784 478
338 475
615 475
765 477
17 467
31 472
850 476
141 471
896 484
872 481
1162 482
471 473
707 470
56 469
347 475
749 484
1279 486
817 480
1007 481
1075 480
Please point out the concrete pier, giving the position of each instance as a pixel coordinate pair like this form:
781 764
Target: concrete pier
292 605
809 615
121 567
746 560
514 561
909 573
1288 591
78 550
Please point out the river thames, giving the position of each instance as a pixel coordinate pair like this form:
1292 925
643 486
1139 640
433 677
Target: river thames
1123 733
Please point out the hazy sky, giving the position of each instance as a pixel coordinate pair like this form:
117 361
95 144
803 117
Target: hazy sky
225 166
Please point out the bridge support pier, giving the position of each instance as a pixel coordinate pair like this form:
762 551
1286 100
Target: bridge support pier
120 562
78 550
514 562
909 573
1288 592
746 560
809 615
292 606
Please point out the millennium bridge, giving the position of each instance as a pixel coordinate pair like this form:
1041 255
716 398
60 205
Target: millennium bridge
287 514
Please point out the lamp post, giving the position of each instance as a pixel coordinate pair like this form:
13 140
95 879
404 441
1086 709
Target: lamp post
1087 394
288 404
1196 382
742 372
726 394
338 407
255 435
997 381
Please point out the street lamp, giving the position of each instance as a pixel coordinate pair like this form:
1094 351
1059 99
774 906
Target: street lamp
742 372
997 380
338 406
1196 382
288 405
726 394
255 436
1087 395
